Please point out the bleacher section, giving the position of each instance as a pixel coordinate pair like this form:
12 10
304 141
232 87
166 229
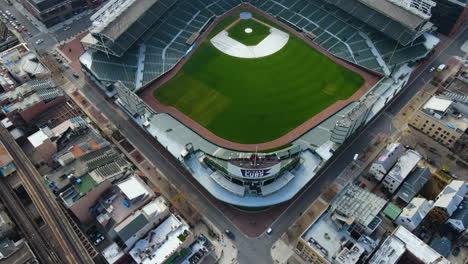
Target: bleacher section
336 31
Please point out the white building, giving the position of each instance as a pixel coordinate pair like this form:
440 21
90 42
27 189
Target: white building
448 200
414 213
403 243
386 160
162 242
139 223
401 170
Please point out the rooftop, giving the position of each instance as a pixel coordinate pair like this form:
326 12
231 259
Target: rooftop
134 187
131 225
451 196
329 240
413 184
399 11
112 253
119 208
403 241
413 207
21 61
5 157
392 211
437 104
39 137
359 204
405 165
117 16
161 242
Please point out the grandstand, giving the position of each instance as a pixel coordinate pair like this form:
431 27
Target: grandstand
136 46
383 38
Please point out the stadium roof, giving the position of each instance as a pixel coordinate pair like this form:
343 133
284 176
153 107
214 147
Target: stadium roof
122 18
395 12
393 20
124 22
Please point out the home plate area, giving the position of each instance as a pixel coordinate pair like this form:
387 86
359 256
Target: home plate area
271 44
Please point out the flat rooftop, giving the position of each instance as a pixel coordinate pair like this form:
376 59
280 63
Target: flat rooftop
328 239
161 242
403 241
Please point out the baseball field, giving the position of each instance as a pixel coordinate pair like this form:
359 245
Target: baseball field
256 100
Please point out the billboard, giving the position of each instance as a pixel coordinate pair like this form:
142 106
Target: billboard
252 173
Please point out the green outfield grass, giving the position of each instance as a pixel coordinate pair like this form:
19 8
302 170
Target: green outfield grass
259 32
257 100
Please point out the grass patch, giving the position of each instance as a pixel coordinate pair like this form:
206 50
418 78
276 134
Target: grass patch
259 32
257 100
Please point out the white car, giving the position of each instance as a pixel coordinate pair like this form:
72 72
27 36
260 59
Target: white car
39 41
66 28
269 231
432 69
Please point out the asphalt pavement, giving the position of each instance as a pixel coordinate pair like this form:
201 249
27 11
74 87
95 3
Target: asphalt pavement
37 31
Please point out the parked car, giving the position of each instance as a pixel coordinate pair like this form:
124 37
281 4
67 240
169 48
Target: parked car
98 239
229 234
66 28
269 231
76 75
442 67
39 41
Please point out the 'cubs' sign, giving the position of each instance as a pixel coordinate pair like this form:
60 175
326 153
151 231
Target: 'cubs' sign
253 173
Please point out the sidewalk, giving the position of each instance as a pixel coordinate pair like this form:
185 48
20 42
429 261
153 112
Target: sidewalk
38 24
226 252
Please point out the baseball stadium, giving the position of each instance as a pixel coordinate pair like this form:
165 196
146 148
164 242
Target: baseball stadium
255 97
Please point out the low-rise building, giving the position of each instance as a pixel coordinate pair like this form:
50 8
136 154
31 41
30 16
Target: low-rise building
404 247
51 12
43 144
25 102
23 64
386 160
137 225
341 234
7 38
448 200
413 184
413 214
404 166
440 120
459 219
6 161
81 182
114 206
163 243
113 254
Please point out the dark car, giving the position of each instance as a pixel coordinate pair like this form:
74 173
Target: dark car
230 234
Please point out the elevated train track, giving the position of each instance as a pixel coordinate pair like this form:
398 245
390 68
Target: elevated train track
52 213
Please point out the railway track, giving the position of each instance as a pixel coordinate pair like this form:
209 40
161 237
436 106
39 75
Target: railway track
50 210
23 219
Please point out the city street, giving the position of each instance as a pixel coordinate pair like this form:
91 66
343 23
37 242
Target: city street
259 248
35 30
